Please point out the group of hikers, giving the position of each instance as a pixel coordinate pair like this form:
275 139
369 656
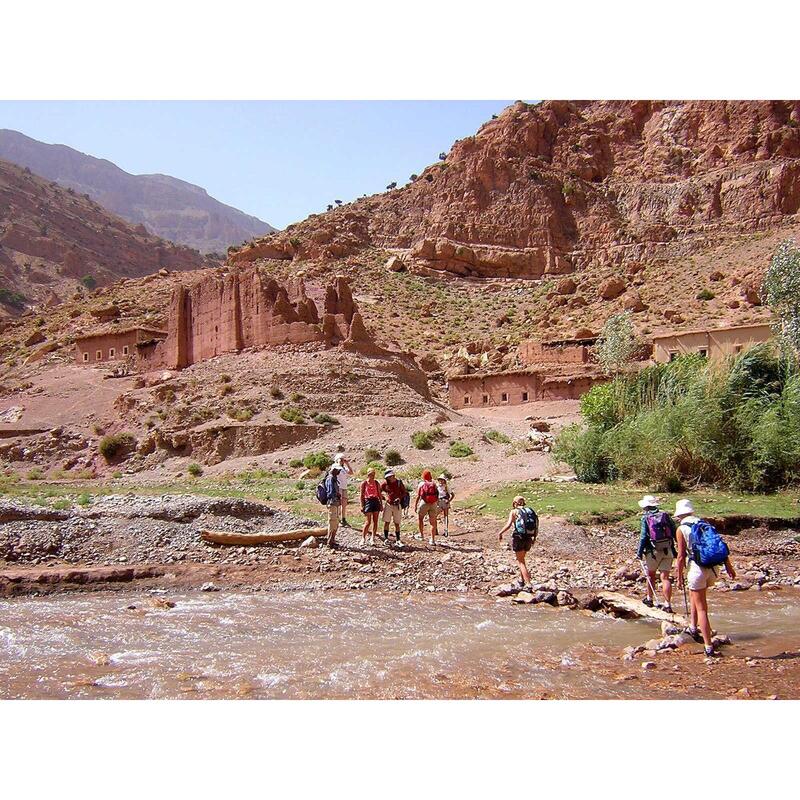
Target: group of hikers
389 498
687 538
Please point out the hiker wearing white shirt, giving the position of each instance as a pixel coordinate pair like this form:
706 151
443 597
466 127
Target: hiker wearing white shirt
700 578
344 470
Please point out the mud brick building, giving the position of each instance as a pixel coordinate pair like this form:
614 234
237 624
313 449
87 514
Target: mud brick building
714 343
124 344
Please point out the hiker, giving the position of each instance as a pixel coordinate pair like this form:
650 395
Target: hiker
426 504
344 470
396 500
524 523
445 496
371 505
334 502
656 550
706 551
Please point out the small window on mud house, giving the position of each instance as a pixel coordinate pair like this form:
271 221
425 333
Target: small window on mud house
111 352
737 348
504 397
98 356
673 354
703 352
467 399
524 397
85 356
486 399
125 350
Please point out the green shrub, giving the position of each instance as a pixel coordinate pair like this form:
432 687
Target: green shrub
89 281
421 440
325 419
296 397
705 294
392 458
84 499
116 475
319 460
224 378
62 505
276 393
459 449
296 463
496 437
371 454
241 414
293 415
35 474
195 470
116 444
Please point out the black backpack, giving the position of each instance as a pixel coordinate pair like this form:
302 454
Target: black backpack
526 523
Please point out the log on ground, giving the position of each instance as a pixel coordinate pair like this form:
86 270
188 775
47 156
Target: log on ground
247 539
623 605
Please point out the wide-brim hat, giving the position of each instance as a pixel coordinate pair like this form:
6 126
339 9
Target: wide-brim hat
649 501
683 508
389 473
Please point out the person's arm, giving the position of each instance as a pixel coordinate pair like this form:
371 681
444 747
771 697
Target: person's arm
643 535
729 569
417 498
681 557
511 516
363 492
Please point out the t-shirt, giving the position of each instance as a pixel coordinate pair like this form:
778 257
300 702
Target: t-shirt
444 492
343 473
394 492
371 489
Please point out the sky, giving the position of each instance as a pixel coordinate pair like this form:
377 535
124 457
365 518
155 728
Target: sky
277 160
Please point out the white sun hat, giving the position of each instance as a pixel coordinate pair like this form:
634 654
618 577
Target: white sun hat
649 501
683 508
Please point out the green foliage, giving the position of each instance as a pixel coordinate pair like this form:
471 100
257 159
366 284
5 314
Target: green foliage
735 425
89 281
325 419
84 499
459 449
371 454
224 378
319 460
195 470
275 393
296 463
496 437
705 294
392 458
617 344
421 440
293 414
116 444
296 397
15 300
781 292
35 474
241 414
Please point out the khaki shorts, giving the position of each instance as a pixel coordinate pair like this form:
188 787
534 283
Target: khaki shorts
392 514
661 560
334 513
700 577
431 509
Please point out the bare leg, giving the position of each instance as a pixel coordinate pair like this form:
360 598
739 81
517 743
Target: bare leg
523 567
421 526
700 612
651 582
344 505
434 530
666 588
365 529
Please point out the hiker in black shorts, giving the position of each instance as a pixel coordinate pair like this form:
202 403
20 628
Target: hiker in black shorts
525 525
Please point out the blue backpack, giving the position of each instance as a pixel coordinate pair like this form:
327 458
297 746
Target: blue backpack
707 547
322 491
526 523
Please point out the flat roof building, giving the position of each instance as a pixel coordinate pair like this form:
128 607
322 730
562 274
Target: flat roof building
107 345
713 343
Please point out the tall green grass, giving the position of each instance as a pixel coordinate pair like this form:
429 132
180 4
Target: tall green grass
734 424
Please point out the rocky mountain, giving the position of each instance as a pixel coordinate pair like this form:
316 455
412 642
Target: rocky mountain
54 240
560 187
168 207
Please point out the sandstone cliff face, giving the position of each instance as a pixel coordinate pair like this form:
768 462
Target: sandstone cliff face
562 186
50 238
229 312
170 208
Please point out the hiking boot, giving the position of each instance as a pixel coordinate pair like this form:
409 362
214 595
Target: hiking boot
386 539
345 524
667 608
710 651
647 602
694 633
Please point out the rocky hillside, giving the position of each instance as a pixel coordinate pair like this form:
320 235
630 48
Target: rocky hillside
170 208
54 241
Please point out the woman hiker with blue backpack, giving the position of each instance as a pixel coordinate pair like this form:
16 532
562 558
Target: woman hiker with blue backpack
707 552
656 550
524 523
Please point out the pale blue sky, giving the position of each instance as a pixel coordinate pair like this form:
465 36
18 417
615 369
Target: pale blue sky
277 160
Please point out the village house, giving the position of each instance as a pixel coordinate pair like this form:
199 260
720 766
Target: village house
116 345
713 343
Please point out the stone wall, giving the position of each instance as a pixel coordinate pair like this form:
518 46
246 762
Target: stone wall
228 312
534 352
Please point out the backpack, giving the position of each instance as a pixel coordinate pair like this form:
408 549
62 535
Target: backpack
707 547
430 492
658 527
322 492
405 500
526 523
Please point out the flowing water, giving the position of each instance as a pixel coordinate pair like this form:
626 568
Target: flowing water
330 645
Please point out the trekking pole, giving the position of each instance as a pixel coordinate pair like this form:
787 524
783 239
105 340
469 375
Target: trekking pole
649 582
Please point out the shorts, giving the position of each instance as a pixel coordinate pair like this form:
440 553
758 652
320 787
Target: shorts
443 503
431 509
372 505
700 577
660 560
520 544
392 514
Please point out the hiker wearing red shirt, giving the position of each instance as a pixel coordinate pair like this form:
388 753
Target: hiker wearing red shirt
396 496
371 505
427 504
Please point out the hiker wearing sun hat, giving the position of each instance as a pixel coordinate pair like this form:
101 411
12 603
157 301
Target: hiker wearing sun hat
397 499
706 551
656 550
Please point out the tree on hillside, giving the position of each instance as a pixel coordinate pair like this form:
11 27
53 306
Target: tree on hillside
617 345
781 292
